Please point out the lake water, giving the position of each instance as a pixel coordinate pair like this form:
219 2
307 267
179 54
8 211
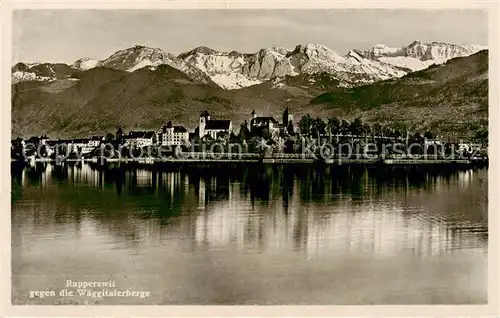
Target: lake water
250 234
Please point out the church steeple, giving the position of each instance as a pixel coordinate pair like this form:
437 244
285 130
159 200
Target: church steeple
288 121
285 117
205 114
119 133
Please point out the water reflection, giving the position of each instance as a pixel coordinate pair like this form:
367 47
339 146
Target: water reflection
312 210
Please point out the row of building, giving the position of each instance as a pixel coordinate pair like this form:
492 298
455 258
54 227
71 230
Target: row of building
173 135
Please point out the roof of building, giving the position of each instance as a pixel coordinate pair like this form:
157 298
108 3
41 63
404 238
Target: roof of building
80 140
263 120
204 114
52 142
180 129
177 129
140 134
218 124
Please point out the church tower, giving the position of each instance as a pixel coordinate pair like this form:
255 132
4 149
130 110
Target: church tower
288 121
204 118
119 134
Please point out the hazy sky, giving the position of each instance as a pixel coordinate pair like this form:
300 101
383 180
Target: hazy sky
66 35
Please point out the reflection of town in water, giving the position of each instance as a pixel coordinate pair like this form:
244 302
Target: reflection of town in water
313 210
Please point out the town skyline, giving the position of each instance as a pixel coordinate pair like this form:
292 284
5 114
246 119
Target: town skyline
60 34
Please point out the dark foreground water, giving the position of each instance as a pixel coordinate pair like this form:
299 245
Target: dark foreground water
253 234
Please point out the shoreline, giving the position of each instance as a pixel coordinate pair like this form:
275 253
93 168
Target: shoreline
338 161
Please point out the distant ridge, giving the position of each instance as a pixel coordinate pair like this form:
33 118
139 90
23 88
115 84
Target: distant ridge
236 70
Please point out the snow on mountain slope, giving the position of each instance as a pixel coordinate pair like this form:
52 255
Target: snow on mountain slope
352 68
144 63
23 76
133 58
85 63
380 50
407 62
418 55
233 81
233 70
138 57
223 68
22 72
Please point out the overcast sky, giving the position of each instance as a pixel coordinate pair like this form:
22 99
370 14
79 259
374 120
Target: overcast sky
66 35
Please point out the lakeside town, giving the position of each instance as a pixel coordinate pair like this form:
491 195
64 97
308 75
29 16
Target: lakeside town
258 137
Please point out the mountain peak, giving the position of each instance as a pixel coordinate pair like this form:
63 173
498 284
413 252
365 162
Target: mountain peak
310 47
276 49
83 59
136 57
380 46
200 50
85 63
315 50
138 48
204 50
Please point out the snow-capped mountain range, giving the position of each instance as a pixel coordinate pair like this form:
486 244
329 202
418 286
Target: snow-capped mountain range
234 70
417 55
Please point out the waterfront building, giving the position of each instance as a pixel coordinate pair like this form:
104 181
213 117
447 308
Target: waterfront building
258 125
170 135
95 141
140 139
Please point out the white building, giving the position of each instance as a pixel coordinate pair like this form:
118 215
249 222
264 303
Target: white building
140 139
173 135
95 141
67 146
79 145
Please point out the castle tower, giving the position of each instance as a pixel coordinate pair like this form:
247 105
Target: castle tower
285 117
169 129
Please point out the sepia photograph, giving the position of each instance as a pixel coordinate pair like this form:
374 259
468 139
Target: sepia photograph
249 157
